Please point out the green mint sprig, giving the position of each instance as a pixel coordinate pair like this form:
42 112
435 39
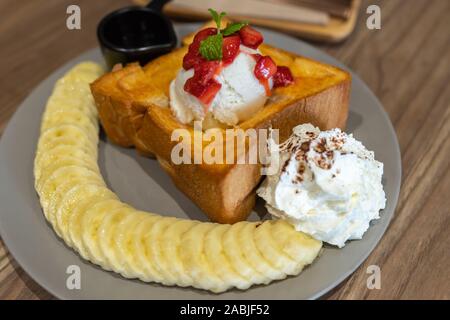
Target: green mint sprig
217 17
233 27
211 47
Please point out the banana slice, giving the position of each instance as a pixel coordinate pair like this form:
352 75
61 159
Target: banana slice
154 244
142 263
85 72
107 238
51 156
92 233
59 103
69 174
60 182
63 197
252 254
170 248
233 250
214 253
73 199
195 263
73 92
297 245
272 252
124 240
90 203
72 116
63 162
67 134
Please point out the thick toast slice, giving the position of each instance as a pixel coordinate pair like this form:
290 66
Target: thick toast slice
133 105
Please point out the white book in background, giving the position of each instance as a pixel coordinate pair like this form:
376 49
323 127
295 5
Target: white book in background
258 9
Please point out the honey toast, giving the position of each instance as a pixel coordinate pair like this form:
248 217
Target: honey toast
133 105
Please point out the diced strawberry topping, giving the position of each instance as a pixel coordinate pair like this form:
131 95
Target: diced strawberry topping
202 84
230 48
250 37
204 92
282 77
265 68
191 59
194 46
203 34
193 56
205 71
256 56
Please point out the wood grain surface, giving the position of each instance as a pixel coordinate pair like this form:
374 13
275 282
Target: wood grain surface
406 64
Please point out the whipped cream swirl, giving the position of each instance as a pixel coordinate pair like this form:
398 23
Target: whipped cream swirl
327 185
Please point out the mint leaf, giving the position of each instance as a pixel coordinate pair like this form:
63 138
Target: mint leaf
233 27
211 47
217 17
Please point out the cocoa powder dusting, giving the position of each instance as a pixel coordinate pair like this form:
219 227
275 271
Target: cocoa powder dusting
283 169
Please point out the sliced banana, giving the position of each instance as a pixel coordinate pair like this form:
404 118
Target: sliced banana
57 187
154 247
70 175
139 248
233 250
107 238
252 254
69 141
272 251
66 198
67 134
72 116
102 229
75 198
124 240
170 247
63 162
214 253
297 245
103 198
59 103
92 233
192 255
49 157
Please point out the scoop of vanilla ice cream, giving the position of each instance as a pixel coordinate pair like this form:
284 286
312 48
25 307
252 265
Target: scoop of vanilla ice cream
327 185
240 96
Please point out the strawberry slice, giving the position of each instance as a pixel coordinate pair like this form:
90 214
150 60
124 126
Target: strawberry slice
194 47
205 71
282 77
230 48
191 59
265 68
256 56
250 37
204 92
203 34
193 56
202 84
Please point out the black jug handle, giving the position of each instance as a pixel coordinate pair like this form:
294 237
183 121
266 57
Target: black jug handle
157 5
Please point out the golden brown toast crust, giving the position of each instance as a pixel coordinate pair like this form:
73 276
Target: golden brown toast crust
133 109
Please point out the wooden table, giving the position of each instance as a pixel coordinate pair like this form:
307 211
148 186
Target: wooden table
406 64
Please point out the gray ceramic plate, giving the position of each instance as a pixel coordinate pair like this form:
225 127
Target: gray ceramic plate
140 182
